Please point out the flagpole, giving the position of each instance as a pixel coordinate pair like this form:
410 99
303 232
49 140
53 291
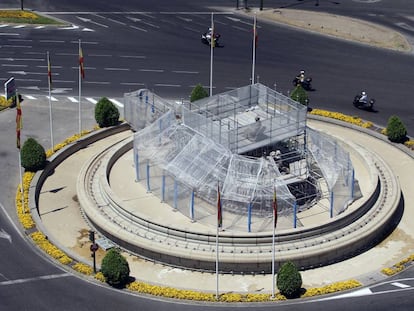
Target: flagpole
49 73
80 90
18 132
254 47
273 256
211 54
219 224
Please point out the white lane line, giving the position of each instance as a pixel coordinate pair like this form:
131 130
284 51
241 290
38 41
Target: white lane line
13 65
73 99
52 41
119 104
19 26
39 278
17 46
4 25
401 285
29 97
53 99
40 27
137 28
357 293
117 69
152 70
133 56
21 40
92 100
100 55
184 71
132 83
9 34
168 85
97 82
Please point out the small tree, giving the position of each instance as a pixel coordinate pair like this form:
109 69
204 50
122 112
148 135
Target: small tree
396 130
115 268
33 155
106 114
198 93
299 94
289 280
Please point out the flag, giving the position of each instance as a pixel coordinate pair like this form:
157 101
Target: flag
219 211
82 69
274 206
19 123
49 70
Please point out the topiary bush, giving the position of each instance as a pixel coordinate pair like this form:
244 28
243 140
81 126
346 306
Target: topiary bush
33 155
115 268
198 93
289 280
299 94
106 114
396 130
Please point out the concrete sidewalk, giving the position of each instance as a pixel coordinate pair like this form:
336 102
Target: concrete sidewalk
64 224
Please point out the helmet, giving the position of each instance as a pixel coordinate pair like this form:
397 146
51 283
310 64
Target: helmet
302 72
363 93
210 29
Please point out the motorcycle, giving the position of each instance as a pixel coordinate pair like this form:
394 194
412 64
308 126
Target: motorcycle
367 105
206 38
306 83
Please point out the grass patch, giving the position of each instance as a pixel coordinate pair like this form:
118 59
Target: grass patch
26 17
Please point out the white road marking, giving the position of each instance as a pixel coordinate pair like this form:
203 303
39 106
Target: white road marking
29 97
137 28
40 27
168 85
39 278
53 99
133 56
52 41
97 82
4 25
183 71
100 55
401 285
73 99
13 65
152 70
19 26
20 40
17 46
9 34
92 100
133 83
117 69
119 104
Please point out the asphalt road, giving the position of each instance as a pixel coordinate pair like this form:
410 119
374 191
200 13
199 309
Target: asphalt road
125 50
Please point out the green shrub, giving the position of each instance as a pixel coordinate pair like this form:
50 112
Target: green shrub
289 280
33 155
396 130
106 114
299 94
198 93
115 268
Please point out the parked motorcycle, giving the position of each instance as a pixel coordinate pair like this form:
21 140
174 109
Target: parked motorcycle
306 83
206 38
367 105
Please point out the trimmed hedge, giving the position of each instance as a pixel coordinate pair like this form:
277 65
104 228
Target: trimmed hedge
299 94
33 155
289 280
115 268
106 114
396 130
198 93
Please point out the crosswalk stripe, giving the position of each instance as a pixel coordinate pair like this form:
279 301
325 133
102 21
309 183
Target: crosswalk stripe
92 100
53 99
73 99
119 104
29 97
401 285
19 26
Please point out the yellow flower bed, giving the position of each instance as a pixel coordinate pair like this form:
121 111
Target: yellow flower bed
331 288
83 268
339 116
4 102
409 143
398 266
100 277
17 14
22 203
41 240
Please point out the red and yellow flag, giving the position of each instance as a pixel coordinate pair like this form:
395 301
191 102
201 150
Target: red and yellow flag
219 211
19 121
49 70
81 66
274 206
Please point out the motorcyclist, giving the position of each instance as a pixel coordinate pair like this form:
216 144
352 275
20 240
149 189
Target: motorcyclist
209 33
300 78
363 97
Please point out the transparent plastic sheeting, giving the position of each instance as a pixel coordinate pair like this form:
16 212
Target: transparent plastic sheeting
336 167
183 151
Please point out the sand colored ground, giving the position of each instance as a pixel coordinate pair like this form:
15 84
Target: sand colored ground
338 26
